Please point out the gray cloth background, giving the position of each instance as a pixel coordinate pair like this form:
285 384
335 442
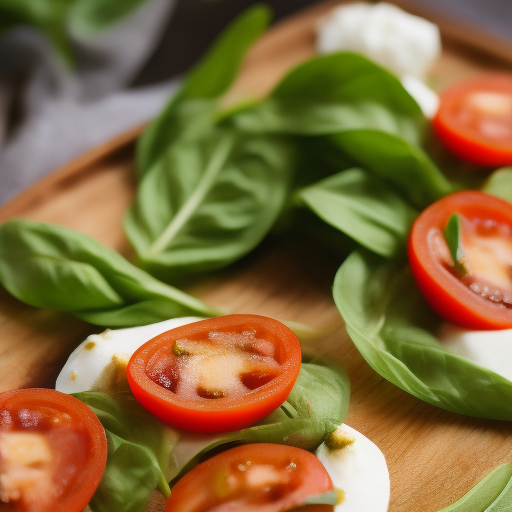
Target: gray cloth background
61 115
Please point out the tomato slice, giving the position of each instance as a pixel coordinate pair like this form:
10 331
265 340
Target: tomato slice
474 120
216 375
254 477
53 451
482 297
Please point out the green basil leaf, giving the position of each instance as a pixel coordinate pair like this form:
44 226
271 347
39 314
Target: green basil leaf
395 331
193 110
452 235
364 207
401 164
316 406
218 68
130 477
138 454
54 267
499 184
207 203
333 93
492 494
87 17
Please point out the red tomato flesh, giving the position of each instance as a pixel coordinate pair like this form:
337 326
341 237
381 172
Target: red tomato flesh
474 120
482 297
53 451
253 478
216 375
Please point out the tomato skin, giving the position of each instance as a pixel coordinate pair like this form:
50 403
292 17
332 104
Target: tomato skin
467 142
219 415
83 420
444 292
198 489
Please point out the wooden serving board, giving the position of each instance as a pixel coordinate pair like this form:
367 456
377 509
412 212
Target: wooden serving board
434 456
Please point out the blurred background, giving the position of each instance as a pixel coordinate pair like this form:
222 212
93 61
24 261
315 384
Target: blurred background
75 73
195 23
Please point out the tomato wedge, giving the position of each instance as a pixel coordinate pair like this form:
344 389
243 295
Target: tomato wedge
474 120
481 297
254 477
216 375
53 451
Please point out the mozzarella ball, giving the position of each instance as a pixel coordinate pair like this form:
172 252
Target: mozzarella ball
407 45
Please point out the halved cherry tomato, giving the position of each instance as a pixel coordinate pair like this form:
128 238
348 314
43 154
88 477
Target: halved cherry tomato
253 478
53 451
474 120
481 298
216 375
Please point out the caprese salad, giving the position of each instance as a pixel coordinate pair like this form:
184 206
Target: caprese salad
213 384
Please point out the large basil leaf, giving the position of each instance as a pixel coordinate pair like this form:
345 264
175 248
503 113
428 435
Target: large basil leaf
499 184
394 329
334 93
193 109
401 164
138 454
209 202
316 406
364 207
50 266
492 494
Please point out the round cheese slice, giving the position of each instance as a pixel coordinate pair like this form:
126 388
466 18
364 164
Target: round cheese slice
358 471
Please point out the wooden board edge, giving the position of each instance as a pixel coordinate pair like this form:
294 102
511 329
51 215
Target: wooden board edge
73 168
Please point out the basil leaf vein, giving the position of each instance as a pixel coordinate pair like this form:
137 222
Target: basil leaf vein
207 203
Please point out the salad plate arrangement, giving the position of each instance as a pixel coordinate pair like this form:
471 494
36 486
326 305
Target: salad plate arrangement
294 170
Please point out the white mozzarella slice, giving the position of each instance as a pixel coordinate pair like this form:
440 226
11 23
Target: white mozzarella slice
425 97
490 349
358 471
94 356
407 45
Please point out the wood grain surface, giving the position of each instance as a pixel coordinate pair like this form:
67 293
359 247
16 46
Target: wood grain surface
433 456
